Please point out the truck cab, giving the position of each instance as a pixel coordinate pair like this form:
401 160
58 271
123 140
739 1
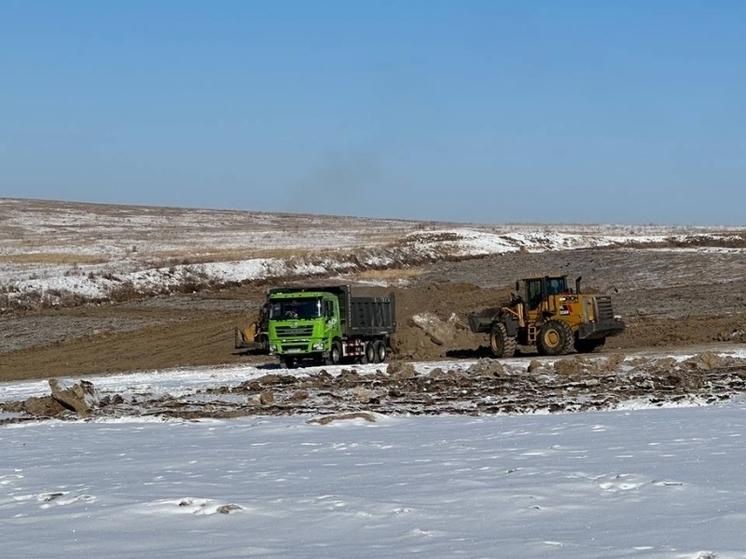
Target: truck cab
303 323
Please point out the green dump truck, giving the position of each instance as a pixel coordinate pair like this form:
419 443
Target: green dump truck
328 325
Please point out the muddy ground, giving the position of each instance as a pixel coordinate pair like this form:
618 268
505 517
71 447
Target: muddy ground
668 299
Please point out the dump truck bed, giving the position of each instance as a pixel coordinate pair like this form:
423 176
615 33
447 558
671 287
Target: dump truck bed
368 316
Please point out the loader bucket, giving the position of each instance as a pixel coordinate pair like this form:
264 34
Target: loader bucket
246 337
479 323
249 333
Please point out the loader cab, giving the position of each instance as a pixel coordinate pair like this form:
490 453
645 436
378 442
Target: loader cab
555 286
538 289
534 293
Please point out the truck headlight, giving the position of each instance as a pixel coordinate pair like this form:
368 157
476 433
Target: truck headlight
318 346
272 347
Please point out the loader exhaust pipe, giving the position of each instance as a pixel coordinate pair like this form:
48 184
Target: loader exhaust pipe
577 284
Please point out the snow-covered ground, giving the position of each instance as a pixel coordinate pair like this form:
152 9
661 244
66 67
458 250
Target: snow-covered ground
657 483
661 482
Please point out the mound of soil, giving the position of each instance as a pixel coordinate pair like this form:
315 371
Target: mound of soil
451 303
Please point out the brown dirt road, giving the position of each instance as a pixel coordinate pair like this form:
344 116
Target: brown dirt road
669 299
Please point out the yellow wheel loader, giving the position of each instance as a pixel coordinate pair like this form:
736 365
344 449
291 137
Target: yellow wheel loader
254 338
548 314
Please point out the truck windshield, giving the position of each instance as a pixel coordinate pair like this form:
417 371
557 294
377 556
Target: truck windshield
295 308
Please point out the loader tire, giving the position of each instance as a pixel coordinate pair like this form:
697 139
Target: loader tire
555 338
501 344
589 346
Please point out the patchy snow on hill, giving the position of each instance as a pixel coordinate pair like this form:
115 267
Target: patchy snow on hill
53 251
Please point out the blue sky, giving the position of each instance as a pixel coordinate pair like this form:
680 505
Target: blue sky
484 111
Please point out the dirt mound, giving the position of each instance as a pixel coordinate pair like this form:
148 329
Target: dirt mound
432 319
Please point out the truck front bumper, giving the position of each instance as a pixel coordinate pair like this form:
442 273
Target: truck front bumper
299 347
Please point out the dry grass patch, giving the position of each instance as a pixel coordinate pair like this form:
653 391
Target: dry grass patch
52 258
389 274
43 241
203 255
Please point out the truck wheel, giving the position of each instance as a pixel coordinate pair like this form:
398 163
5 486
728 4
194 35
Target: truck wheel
370 352
555 338
589 346
335 353
380 349
501 344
